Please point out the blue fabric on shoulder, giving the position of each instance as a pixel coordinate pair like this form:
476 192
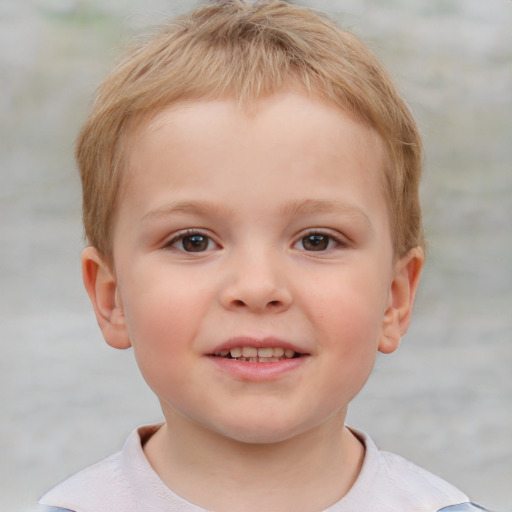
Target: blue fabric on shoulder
464 507
47 508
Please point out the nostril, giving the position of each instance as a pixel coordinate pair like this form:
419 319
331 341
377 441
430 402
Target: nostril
255 298
271 304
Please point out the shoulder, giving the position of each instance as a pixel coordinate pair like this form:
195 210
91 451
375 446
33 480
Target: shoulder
464 507
429 488
390 482
104 486
115 484
124 482
46 508
95 488
403 475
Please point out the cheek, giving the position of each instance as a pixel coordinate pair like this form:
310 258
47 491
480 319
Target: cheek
162 325
159 305
348 318
349 309
348 341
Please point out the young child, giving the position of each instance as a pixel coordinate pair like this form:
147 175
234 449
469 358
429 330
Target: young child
250 193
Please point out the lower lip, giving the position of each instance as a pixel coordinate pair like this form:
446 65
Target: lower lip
257 371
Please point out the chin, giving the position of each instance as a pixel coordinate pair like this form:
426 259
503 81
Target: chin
261 434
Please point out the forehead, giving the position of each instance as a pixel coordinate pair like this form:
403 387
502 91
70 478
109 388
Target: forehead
289 114
290 132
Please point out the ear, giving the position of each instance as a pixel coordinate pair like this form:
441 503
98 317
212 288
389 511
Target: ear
100 283
401 299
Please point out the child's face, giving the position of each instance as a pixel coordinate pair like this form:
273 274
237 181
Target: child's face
262 233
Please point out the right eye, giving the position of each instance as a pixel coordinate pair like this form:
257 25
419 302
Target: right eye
192 242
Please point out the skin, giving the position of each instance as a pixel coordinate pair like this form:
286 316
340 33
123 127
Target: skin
255 191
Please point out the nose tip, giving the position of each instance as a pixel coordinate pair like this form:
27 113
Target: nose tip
258 287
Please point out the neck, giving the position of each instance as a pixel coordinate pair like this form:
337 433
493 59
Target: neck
309 471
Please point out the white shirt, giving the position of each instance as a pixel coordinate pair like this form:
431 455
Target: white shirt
126 482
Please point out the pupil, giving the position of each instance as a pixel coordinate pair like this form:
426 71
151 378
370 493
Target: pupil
315 242
195 243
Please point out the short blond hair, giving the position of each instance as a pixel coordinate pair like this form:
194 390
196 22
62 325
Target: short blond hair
247 50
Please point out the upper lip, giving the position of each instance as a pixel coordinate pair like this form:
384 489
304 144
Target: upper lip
257 342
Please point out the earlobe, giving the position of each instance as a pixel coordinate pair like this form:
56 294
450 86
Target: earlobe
401 299
101 286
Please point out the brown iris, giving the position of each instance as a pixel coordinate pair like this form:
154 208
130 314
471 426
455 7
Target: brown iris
315 242
195 243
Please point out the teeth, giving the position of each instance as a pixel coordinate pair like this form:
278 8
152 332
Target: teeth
249 351
255 355
265 352
236 352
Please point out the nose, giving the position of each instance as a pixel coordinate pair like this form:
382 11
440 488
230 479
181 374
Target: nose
256 283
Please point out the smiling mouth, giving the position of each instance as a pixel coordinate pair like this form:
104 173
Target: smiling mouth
258 355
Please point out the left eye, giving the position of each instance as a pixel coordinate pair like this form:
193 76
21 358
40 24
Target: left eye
195 242
316 242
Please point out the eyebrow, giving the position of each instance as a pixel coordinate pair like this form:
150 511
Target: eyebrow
310 206
293 208
188 207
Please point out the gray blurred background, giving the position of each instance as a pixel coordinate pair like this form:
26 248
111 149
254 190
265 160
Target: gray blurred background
443 400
